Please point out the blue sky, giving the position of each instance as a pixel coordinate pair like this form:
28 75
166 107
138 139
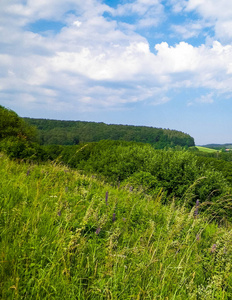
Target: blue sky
156 63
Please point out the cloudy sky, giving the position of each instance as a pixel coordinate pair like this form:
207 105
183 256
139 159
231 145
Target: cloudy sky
140 62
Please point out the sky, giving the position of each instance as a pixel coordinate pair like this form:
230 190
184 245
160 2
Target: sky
165 64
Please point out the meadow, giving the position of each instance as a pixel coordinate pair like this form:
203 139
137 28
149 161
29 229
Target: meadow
205 149
112 219
65 235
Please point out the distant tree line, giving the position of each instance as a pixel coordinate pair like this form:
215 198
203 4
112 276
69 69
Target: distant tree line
219 146
54 132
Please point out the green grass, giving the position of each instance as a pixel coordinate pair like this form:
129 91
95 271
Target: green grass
61 239
205 149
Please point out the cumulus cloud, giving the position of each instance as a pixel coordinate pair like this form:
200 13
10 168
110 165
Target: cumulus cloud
93 62
211 8
219 13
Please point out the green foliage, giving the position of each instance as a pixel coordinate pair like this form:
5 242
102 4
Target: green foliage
17 138
22 149
11 125
217 164
64 235
143 181
67 236
141 167
73 132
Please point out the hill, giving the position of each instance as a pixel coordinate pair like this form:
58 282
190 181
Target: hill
112 220
206 149
72 132
219 146
69 236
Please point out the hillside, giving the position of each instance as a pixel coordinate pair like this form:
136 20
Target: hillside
219 146
69 236
206 149
73 132
112 219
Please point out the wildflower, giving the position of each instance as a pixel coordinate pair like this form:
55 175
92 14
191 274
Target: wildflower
98 230
196 209
213 248
198 237
59 213
114 217
107 194
28 172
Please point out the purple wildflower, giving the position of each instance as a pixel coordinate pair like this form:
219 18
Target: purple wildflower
59 213
98 230
198 237
28 172
196 209
107 194
114 217
213 248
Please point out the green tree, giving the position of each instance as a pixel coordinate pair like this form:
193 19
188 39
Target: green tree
11 125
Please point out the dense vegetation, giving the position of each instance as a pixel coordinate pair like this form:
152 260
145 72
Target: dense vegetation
68 236
12 126
73 132
112 220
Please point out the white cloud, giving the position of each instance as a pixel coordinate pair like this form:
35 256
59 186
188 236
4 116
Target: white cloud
190 29
177 5
219 13
181 58
203 66
223 30
211 8
207 99
92 62
148 12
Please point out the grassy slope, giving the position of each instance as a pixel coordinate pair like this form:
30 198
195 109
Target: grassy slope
205 149
61 239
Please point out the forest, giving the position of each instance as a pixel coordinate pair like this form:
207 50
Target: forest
52 132
111 218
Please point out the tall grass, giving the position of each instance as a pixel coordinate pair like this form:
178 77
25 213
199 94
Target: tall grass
67 236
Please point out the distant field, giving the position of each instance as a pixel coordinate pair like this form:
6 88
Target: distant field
204 149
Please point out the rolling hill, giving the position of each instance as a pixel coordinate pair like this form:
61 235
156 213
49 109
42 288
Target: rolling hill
72 132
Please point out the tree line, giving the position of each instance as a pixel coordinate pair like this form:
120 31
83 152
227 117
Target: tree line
73 132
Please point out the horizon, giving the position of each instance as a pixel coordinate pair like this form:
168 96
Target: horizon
163 64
